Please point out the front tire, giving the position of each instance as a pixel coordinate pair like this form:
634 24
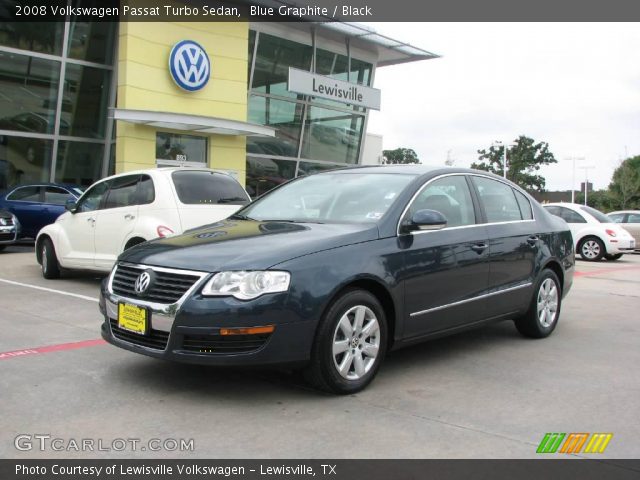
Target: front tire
350 344
50 266
591 249
542 317
613 257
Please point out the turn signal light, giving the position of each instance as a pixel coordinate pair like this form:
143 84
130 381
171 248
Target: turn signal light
610 232
164 231
247 331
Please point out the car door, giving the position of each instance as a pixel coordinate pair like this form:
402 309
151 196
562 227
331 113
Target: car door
514 244
79 228
25 203
53 204
116 220
632 225
446 272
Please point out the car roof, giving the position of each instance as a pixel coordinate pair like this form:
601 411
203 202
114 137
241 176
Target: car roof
155 170
624 211
572 206
408 169
44 184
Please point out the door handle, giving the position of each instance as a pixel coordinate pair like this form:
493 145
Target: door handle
479 247
532 240
128 216
91 220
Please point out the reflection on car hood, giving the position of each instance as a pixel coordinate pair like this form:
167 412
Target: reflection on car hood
246 244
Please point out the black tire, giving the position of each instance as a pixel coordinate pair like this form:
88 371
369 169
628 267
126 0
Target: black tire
49 263
613 257
532 324
323 371
2 247
591 249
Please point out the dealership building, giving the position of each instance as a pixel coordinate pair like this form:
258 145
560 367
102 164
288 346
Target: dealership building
263 101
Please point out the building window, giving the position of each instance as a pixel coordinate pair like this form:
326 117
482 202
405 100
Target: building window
263 174
91 41
79 163
181 149
84 104
332 135
41 37
24 160
285 117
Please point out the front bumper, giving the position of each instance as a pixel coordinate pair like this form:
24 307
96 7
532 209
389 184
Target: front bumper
9 234
621 245
189 330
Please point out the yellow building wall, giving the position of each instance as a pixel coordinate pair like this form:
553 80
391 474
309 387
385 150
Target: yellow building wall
144 83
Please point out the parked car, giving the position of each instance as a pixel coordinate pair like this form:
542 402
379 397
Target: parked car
630 221
9 229
596 236
124 210
37 205
332 270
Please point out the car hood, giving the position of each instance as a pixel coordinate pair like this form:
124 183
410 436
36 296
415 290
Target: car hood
246 244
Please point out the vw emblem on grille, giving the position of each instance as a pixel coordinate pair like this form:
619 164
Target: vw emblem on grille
189 65
143 282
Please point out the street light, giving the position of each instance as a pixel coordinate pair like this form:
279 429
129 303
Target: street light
504 154
573 176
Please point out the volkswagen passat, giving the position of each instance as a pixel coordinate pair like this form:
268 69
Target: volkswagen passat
332 271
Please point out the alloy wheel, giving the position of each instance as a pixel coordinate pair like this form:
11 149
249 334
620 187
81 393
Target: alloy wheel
547 303
590 249
356 342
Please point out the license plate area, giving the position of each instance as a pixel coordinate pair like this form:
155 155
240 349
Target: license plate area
133 318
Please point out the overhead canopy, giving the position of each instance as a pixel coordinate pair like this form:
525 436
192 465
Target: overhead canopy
192 123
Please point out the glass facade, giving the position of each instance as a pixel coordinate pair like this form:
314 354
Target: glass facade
312 134
56 81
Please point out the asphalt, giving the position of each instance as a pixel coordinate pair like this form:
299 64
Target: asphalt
488 393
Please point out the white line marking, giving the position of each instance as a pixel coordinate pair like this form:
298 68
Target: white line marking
61 292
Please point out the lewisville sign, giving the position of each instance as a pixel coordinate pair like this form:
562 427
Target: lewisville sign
307 83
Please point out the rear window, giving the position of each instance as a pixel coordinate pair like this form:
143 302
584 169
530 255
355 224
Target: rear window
597 214
208 188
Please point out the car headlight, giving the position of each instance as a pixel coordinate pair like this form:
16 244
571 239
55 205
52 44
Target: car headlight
247 285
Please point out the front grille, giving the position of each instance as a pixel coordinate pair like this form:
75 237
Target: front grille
156 339
168 287
7 236
224 344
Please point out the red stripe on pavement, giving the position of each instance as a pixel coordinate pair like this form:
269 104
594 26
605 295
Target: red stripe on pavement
603 270
51 348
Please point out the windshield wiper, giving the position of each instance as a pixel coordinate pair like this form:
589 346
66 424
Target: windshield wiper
239 216
232 199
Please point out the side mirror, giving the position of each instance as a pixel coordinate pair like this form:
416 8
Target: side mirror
71 205
426 220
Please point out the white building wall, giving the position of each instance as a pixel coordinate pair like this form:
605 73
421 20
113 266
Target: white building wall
372 150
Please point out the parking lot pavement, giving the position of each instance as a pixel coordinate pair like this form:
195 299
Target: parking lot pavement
483 394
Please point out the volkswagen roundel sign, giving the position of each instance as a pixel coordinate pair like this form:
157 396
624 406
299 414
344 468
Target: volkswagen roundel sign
189 65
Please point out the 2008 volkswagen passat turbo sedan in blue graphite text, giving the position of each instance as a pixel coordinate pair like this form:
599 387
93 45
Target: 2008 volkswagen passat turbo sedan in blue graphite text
331 271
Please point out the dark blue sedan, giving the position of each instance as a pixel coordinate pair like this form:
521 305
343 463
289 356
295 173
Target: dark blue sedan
38 205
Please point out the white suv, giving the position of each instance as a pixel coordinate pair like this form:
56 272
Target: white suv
595 235
124 210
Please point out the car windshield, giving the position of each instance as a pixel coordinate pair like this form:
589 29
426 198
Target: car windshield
331 197
598 215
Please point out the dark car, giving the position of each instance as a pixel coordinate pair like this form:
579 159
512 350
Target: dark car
38 205
9 229
333 270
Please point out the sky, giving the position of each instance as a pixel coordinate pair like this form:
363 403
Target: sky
573 85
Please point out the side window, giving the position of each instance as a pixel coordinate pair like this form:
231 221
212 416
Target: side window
90 201
633 218
146 192
25 194
570 216
122 192
56 195
525 205
451 197
498 199
553 210
617 217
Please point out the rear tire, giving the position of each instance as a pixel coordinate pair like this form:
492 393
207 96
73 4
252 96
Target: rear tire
542 317
591 249
350 344
50 265
613 257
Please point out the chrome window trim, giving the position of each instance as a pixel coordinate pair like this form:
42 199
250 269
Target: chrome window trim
406 208
468 300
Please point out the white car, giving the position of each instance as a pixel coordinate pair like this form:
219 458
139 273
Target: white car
124 210
630 221
595 235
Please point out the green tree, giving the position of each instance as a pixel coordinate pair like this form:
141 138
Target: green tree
602 200
400 155
523 160
625 184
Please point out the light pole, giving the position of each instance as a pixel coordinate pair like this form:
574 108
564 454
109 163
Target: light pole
504 154
586 181
573 176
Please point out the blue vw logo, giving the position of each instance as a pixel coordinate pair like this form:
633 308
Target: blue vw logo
189 65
